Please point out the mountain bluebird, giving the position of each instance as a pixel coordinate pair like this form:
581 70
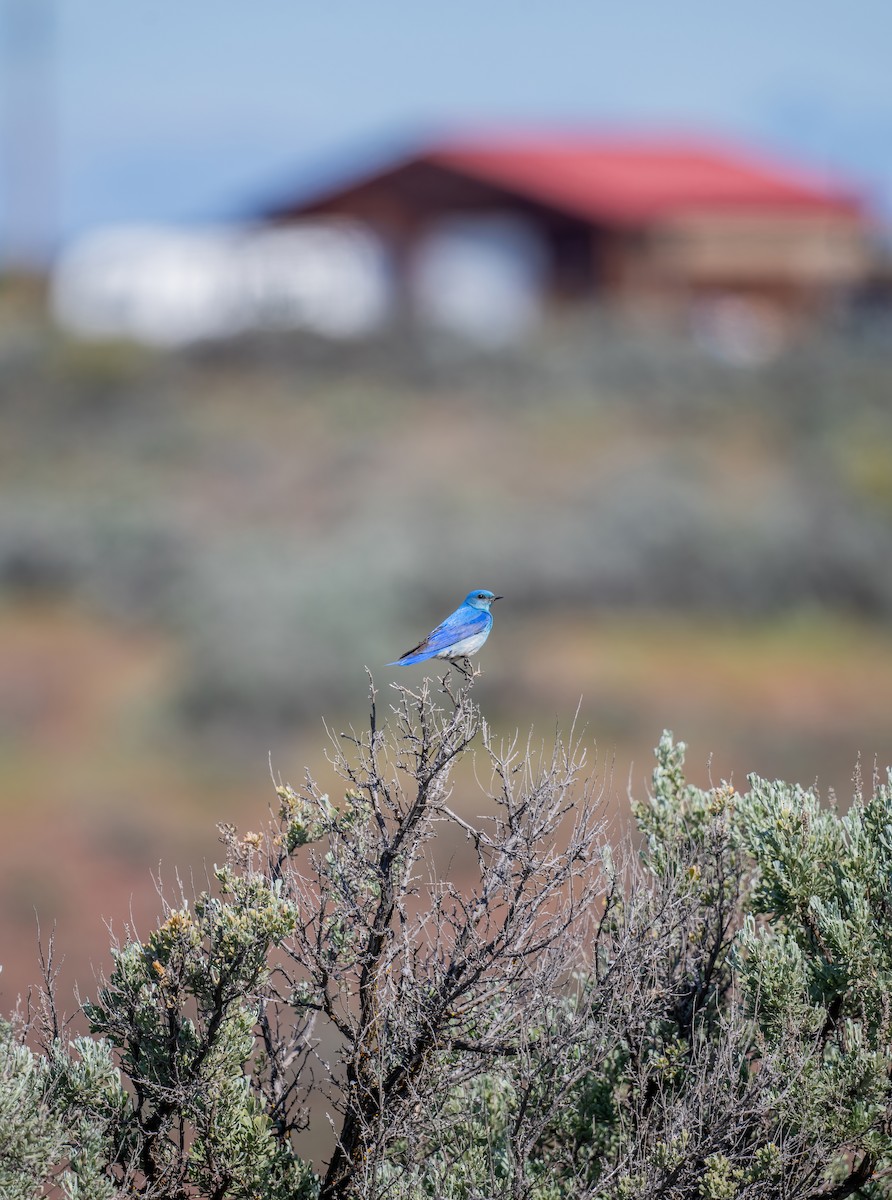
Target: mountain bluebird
462 633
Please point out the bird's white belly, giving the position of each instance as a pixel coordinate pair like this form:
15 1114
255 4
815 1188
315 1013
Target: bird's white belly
468 645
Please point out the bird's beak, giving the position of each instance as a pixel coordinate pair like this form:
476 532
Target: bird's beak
496 598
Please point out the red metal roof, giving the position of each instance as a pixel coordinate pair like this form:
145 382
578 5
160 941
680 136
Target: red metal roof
634 182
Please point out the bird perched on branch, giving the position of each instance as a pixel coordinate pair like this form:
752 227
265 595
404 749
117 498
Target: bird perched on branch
460 635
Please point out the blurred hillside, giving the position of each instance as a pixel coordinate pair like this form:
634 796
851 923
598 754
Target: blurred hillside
201 551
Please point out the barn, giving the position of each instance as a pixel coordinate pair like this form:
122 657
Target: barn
657 224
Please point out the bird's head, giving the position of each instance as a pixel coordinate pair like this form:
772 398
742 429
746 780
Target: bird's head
481 598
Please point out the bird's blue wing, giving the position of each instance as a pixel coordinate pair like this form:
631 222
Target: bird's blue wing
464 622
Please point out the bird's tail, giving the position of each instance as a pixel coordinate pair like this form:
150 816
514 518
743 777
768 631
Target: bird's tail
408 659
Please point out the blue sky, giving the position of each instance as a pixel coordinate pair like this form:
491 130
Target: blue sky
188 110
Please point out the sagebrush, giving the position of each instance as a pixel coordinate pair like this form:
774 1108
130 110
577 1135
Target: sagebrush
698 1007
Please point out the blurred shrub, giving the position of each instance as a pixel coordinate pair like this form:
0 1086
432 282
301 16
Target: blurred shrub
288 506
125 563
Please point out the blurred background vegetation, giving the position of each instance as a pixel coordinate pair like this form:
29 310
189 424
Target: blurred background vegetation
202 550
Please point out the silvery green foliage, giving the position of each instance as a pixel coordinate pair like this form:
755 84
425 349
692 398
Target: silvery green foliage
729 1034
818 977
182 1009
58 1113
32 1135
698 1011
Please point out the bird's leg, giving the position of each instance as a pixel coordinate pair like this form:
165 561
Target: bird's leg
467 671
463 665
